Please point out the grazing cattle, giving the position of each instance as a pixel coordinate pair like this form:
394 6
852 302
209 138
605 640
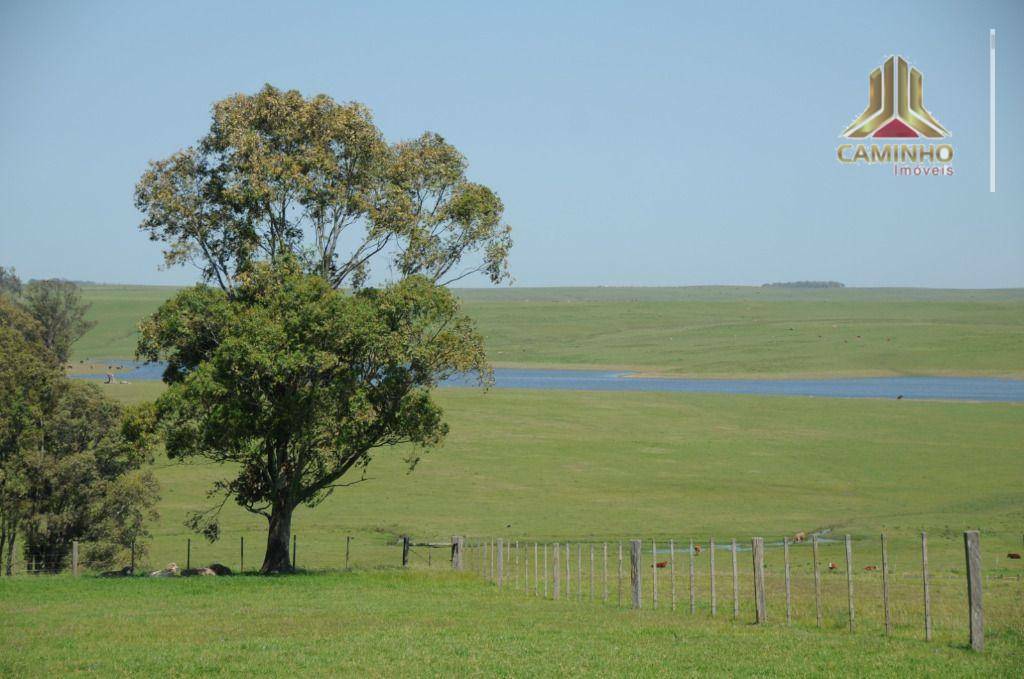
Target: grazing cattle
169 572
1013 555
800 537
871 568
219 569
123 573
661 564
832 565
198 571
696 549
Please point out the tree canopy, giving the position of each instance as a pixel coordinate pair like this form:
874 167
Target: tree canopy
279 173
72 462
59 308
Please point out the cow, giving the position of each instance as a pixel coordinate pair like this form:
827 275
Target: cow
1013 555
800 537
696 550
169 572
123 573
832 565
871 568
661 564
198 571
219 569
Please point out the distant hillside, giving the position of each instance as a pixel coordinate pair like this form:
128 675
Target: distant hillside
805 284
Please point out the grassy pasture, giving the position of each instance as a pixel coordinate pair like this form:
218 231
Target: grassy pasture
387 623
591 467
711 332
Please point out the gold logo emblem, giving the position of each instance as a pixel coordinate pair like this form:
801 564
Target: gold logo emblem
895 105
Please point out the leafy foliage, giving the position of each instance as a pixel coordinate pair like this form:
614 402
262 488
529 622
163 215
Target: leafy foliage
59 308
281 174
70 459
297 383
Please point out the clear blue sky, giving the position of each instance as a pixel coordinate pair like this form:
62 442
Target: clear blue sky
632 143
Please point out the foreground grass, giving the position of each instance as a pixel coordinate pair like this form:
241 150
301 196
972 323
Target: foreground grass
418 624
717 331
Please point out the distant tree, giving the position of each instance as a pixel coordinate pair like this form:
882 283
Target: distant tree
71 461
88 480
291 367
28 380
59 308
9 281
805 284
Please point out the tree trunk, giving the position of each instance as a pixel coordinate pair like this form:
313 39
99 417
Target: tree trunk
9 551
278 537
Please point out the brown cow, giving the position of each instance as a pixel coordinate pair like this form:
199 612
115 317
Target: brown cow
696 550
871 568
1013 555
661 564
800 537
832 565
198 571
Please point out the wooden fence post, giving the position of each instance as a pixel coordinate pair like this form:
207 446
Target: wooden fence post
789 593
693 593
817 580
849 580
568 571
672 566
501 562
457 552
927 590
188 553
735 584
518 566
654 574
556 591
133 557
620 573
537 569
405 551
545 570
972 554
295 545
634 572
711 568
241 554
579 572
757 547
348 542
605 598
885 586
591 571
74 558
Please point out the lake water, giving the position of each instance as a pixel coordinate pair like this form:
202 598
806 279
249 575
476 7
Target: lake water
941 388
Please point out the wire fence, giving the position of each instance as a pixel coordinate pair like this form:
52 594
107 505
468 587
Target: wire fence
911 587
823 582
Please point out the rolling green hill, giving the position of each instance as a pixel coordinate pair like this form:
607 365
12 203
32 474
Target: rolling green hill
701 331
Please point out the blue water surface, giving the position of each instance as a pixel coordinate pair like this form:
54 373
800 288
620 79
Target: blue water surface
941 388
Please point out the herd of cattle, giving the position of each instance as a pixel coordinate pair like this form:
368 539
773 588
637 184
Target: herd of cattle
171 571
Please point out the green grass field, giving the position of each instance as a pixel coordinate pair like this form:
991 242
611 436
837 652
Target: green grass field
591 467
715 331
416 624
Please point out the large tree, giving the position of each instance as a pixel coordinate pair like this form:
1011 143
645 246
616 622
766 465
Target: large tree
286 361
